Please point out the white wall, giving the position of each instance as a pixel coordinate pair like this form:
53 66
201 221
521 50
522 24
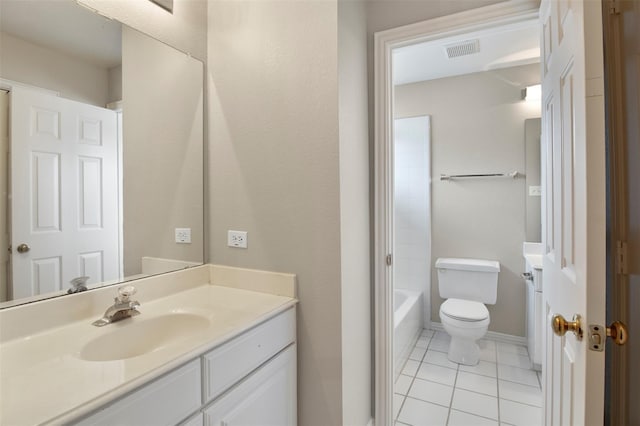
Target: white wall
40 66
386 14
533 152
275 172
478 127
354 213
115 84
162 151
412 208
184 29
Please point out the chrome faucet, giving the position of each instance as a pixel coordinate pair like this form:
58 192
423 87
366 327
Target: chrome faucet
123 307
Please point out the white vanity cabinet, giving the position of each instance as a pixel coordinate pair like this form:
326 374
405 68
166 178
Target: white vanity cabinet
535 316
248 380
266 398
166 401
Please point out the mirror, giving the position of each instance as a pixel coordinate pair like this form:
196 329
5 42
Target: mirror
101 160
533 188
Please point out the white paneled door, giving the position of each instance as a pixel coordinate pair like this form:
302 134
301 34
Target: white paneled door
64 192
574 230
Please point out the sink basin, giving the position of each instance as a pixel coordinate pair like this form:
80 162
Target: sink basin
135 337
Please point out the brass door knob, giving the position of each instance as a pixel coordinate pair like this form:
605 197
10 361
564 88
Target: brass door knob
560 325
23 248
618 333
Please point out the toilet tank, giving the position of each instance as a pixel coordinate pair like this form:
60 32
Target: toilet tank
468 279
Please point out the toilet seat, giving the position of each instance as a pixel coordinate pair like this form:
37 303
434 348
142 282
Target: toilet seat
464 310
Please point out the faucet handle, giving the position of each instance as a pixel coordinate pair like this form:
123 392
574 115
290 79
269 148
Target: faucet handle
125 293
78 281
78 284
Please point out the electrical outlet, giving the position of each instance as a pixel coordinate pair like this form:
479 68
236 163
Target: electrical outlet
237 239
535 191
183 235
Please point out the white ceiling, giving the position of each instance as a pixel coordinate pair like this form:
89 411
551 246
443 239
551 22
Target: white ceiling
65 26
502 47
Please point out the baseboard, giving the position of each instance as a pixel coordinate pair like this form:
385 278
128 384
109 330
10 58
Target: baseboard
493 335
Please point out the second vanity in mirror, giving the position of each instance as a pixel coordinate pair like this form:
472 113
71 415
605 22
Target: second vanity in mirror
532 248
103 126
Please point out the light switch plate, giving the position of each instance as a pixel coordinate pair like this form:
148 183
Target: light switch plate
535 191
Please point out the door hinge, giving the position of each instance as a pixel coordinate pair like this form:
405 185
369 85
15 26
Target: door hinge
621 257
389 260
614 7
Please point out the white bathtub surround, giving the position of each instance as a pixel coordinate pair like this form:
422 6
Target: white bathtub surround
407 317
412 208
42 342
501 389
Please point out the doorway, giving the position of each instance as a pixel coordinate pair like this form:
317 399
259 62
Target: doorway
396 42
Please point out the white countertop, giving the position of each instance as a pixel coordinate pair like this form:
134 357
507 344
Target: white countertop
44 381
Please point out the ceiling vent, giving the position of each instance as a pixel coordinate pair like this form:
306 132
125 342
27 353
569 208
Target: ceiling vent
462 48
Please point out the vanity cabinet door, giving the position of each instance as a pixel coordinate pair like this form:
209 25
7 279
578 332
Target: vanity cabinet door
267 397
166 401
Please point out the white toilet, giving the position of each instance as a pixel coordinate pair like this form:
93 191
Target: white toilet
467 284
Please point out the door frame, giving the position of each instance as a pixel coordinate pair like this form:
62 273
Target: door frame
619 266
384 42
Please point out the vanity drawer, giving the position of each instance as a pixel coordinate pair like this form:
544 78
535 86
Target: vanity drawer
226 365
166 401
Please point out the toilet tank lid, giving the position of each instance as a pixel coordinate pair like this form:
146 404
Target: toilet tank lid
479 265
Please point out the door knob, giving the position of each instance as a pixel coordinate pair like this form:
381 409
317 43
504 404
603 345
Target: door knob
23 248
617 331
560 325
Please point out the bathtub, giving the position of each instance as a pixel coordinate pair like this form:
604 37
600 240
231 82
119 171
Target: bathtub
408 321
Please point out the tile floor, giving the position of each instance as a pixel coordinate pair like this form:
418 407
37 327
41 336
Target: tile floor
501 390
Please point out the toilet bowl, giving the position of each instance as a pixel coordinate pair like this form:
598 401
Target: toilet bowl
467 284
466 322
